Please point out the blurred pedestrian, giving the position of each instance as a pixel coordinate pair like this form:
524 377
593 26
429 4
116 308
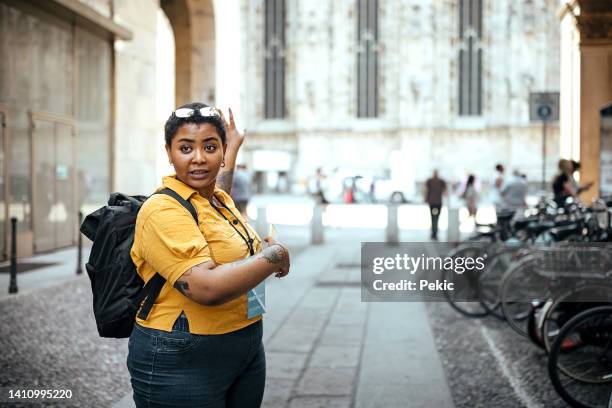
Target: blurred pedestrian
470 195
241 188
434 189
497 186
579 187
565 185
514 192
319 180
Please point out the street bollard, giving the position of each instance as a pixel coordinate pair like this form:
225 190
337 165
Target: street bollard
392 235
13 282
79 269
262 222
453 225
317 225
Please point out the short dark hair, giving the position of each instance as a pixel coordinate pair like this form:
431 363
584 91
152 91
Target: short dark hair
499 167
174 123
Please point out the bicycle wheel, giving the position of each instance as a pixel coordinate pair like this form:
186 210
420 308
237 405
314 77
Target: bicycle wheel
569 304
521 288
465 285
489 281
532 326
582 374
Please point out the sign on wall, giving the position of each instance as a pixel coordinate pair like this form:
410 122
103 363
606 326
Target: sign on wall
544 106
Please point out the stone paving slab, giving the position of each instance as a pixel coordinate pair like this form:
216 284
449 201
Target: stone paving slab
320 402
284 365
327 381
400 364
336 356
277 393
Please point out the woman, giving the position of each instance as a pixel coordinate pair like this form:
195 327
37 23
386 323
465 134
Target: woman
470 195
564 184
198 347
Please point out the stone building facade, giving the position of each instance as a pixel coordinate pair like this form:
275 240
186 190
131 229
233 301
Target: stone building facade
78 105
418 83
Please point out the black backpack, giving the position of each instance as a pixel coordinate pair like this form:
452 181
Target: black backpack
118 290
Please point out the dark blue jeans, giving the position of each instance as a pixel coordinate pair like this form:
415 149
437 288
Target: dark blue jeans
180 369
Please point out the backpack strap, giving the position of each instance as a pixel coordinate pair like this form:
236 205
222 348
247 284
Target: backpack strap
188 206
151 289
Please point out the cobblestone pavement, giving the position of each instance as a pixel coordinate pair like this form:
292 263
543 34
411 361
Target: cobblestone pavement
49 341
489 365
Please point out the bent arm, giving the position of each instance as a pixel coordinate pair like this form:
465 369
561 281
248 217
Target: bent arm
225 177
234 141
212 285
568 188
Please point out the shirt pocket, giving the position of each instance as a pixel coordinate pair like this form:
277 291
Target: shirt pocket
217 230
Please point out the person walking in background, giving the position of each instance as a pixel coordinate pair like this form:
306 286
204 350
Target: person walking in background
317 189
434 188
241 188
564 184
497 186
579 188
470 195
514 193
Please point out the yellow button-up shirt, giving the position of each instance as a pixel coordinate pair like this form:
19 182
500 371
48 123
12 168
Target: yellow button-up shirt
167 240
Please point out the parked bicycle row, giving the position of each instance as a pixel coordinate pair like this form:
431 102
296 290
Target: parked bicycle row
547 274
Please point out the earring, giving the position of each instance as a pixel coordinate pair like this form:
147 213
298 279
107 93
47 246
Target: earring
223 163
172 164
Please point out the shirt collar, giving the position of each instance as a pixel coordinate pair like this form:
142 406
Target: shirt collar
183 189
178 186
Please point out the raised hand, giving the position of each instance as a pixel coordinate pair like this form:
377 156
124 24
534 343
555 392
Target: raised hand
234 140
234 137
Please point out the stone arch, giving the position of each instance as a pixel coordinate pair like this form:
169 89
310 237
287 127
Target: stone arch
193 24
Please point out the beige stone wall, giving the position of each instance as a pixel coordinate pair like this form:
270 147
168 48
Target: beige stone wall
418 85
135 127
101 6
203 51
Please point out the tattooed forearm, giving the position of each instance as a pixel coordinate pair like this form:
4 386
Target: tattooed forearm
238 263
183 287
275 254
225 179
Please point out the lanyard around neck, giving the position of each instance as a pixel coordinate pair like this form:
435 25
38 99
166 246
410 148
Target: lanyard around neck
247 240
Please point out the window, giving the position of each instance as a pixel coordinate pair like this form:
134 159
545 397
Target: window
274 42
470 57
367 58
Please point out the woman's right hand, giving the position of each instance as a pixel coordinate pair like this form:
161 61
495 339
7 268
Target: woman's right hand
278 255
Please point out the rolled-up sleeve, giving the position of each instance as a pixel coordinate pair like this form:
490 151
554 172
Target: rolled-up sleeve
171 242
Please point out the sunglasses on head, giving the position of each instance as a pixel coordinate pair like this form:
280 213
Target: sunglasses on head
188 112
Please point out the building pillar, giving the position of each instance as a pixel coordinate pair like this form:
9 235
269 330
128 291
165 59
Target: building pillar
591 82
